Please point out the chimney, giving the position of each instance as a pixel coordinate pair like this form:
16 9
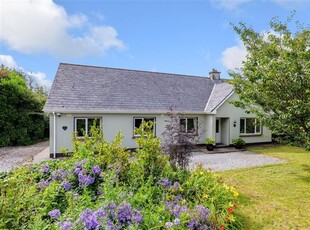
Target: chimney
215 75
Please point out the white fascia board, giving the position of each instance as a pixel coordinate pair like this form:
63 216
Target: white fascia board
210 98
61 110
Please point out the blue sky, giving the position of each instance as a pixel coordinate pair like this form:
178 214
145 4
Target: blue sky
187 37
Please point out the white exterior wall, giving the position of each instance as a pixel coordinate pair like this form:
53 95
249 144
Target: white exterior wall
210 126
228 110
63 137
112 124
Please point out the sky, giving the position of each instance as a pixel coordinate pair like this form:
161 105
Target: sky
174 36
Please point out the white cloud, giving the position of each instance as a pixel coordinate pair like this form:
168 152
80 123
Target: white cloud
228 4
291 4
7 61
43 26
39 77
233 56
105 37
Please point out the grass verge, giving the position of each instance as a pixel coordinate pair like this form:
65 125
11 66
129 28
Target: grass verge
274 196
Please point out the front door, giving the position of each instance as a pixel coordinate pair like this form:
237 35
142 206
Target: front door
218 138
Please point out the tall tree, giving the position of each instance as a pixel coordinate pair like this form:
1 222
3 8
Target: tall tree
274 80
22 121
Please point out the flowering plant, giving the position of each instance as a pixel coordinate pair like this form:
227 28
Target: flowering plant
102 191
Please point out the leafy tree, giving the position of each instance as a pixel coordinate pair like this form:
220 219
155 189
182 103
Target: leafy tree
274 81
22 121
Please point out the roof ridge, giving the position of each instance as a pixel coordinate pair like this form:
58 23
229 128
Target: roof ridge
145 71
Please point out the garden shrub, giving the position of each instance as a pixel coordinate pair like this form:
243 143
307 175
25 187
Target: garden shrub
22 121
177 143
97 190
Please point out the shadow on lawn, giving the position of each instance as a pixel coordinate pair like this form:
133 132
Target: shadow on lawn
246 222
306 177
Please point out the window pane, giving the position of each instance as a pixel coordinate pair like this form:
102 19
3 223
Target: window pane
217 126
190 125
242 129
80 127
258 126
183 124
137 123
91 122
150 119
250 125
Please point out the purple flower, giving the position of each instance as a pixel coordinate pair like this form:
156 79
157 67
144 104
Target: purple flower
77 170
111 207
176 209
66 185
85 179
89 180
59 174
80 163
43 184
78 166
168 225
177 222
191 225
203 212
137 217
89 219
100 212
44 168
124 214
110 225
96 170
165 182
65 225
176 185
54 214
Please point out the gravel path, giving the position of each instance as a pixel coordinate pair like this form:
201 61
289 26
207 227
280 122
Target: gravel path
11 157
232 160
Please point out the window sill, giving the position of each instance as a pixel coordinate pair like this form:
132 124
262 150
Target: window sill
250 135
83 138
134 137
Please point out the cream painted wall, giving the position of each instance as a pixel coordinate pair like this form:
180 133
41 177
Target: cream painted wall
63 137
112 124
234 114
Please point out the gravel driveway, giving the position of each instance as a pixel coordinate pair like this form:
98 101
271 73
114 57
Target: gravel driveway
229 159
15 156
232 160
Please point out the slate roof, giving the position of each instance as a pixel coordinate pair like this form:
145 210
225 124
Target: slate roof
221 91
80 88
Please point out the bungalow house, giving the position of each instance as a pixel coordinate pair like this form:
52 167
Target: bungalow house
121 99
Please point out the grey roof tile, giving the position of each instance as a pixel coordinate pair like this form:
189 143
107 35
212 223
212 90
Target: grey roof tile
90 88
219 94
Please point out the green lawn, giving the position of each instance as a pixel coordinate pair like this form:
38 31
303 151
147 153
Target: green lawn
274 196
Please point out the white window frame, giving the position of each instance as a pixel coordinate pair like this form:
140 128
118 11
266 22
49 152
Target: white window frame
143 118
86 124
195 119
257 121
